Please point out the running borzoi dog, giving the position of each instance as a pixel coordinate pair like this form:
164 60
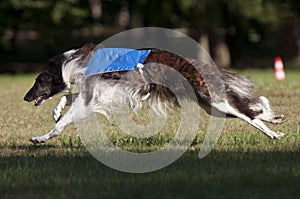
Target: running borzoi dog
102 89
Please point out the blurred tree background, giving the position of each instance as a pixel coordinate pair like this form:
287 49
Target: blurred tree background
237 33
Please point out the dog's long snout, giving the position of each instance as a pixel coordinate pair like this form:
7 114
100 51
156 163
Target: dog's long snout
28 98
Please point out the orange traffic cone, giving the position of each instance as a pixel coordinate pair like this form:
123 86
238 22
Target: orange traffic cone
279 69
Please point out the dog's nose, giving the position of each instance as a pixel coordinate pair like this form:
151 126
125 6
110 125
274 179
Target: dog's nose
27 98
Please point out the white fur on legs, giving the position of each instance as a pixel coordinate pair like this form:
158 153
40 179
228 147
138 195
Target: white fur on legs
73 114
58 128
262 104
261 126
225 106
59 108
267 114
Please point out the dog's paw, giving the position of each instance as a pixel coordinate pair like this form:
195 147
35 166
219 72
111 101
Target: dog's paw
278 135
279 119
37 140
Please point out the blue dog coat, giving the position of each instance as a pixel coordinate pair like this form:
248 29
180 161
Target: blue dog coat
115 59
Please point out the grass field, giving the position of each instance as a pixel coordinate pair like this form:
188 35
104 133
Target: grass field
243 164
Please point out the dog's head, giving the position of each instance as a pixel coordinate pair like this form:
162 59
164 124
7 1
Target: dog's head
47 83
51 82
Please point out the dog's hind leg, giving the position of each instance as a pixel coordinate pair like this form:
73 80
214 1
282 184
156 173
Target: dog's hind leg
262 105
225 106
77 111
65 100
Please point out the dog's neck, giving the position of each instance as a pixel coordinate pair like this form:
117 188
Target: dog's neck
72 70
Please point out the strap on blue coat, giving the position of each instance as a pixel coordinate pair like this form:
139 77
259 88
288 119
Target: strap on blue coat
115 59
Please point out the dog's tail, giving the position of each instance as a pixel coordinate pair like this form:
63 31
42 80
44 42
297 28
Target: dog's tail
241 85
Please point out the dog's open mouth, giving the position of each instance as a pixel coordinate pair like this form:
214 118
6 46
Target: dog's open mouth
39 100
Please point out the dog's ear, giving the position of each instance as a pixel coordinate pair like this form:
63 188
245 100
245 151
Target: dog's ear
55 63
55 66
57 78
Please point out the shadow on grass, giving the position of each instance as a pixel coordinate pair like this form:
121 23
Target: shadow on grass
32 147
220 174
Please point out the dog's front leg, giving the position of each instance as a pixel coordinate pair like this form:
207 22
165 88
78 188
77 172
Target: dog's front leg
77 111
58 128
65 100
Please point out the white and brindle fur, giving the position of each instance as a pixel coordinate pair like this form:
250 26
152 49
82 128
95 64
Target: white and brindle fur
101 92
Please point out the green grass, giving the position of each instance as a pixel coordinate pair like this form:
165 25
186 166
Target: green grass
243 164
